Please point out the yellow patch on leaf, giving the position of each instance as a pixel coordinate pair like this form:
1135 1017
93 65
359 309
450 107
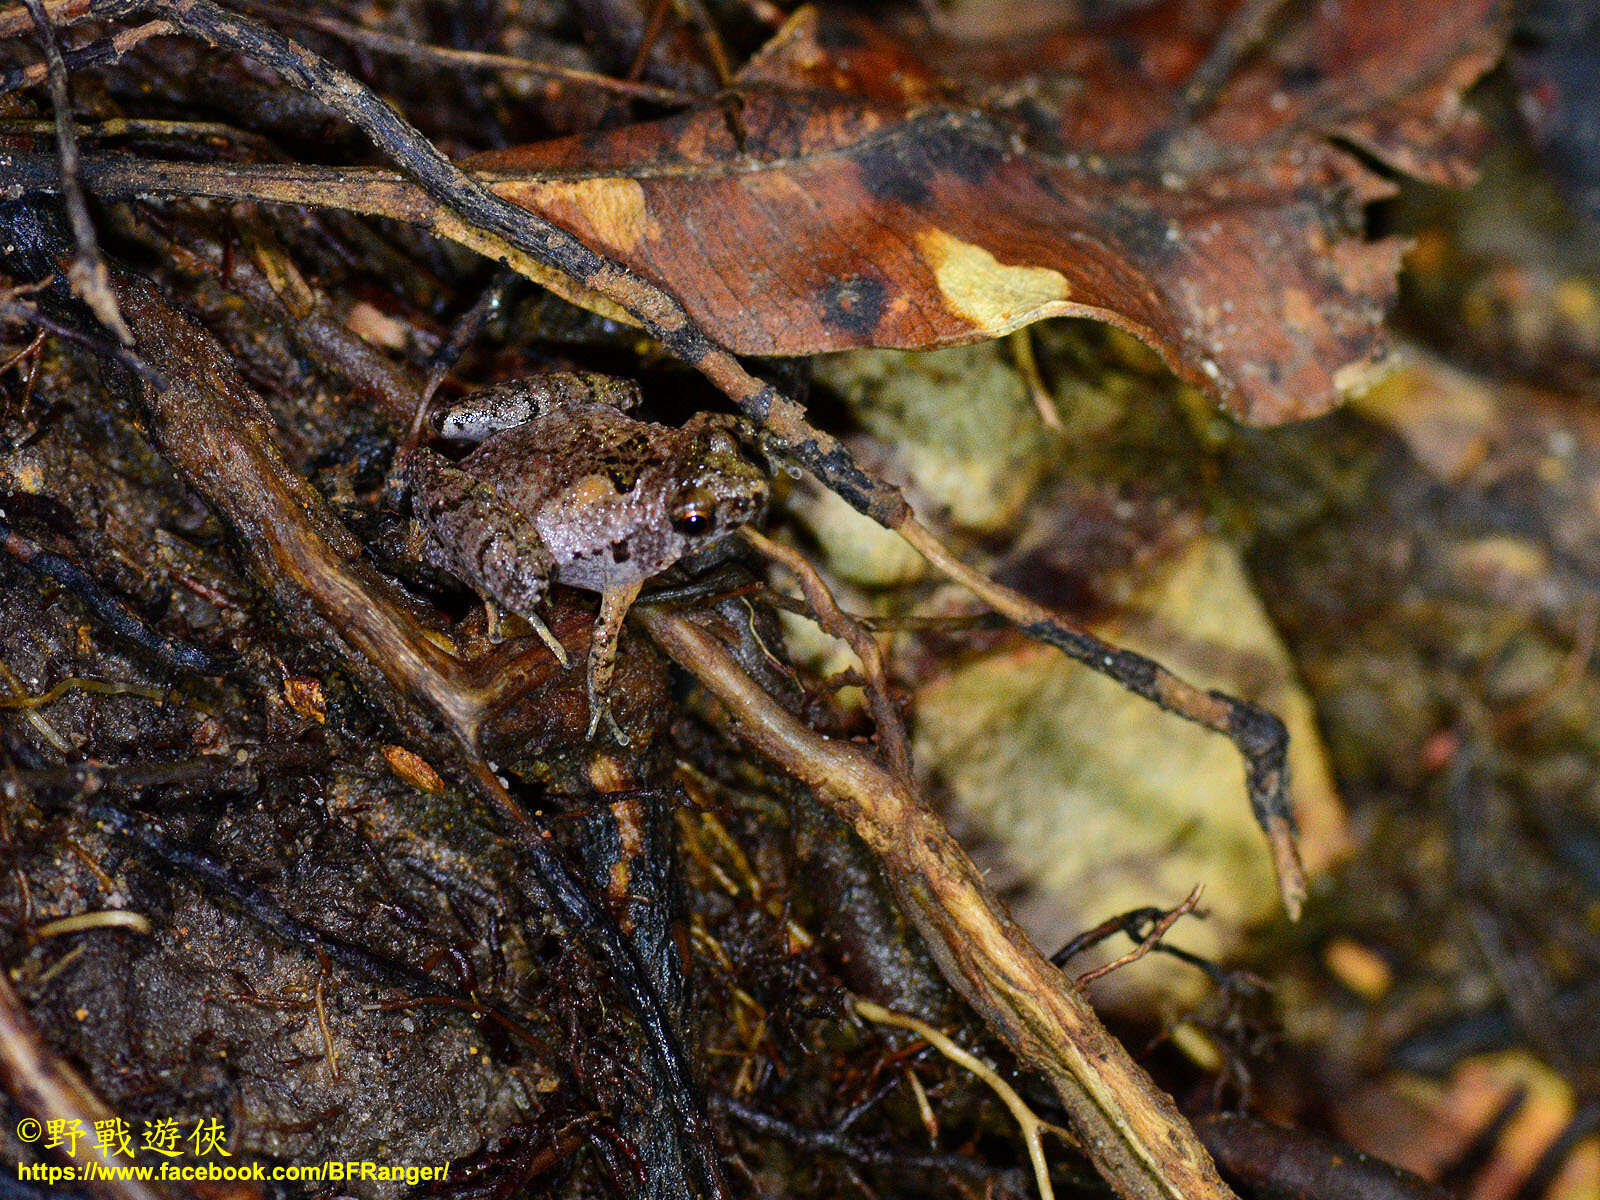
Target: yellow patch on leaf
613 209
977 286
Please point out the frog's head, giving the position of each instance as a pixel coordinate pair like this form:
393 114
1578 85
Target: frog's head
721 488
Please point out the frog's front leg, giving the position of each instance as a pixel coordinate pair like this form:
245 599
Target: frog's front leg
614 605
481 540
503 406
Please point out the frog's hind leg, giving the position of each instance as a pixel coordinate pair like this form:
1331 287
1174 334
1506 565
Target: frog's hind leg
614 606
483 541
502 406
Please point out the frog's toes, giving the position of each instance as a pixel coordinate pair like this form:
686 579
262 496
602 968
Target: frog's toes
493 624
600 710
549 639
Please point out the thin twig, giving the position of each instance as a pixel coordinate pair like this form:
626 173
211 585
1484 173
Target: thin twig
1280 1161
1136 924
972 622
88 271
121 127
654 22
831 1141
1033 1129
472 60
487 306
693 13
13 308
1237 39
1259 735
832 619
98 53
1020 344
1150 941
1132 923
19 19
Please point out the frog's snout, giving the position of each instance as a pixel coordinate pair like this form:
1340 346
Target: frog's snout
749 506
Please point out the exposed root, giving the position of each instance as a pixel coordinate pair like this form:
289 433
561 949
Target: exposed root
49 1090
108 918
1033 1129
1128 1127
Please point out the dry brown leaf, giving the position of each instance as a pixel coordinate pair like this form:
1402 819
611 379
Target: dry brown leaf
304 695
411 767
896 189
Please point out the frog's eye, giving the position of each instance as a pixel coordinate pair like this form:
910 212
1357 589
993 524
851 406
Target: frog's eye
695 513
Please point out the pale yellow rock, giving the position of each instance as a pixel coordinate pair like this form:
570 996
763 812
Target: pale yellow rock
1095 802
958 422
855 547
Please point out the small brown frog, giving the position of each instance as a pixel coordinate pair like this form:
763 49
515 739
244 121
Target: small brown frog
565 487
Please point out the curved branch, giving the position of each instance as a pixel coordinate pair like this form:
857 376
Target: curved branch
1130 1129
